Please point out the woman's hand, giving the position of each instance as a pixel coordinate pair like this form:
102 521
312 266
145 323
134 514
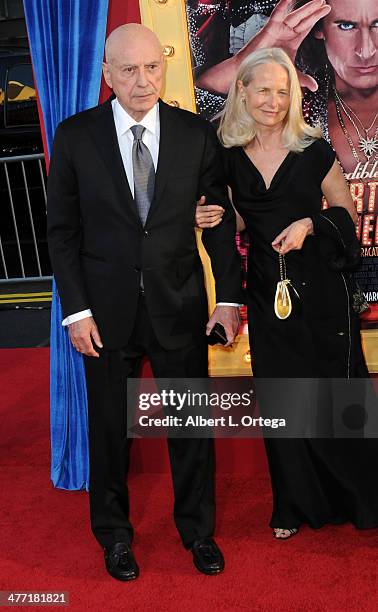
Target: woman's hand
212 214
208 215
336 190
293 237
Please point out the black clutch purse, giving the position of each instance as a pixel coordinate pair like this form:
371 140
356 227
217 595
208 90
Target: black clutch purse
217 335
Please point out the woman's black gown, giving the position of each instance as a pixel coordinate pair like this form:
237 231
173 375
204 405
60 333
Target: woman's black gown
314 480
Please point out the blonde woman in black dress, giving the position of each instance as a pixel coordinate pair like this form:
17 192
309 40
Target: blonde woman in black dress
278 169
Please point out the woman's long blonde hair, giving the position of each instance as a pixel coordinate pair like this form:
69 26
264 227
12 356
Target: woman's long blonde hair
237 127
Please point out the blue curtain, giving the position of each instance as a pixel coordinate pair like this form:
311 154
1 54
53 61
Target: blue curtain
66 40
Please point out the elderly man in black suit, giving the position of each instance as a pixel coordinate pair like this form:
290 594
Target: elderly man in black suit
123 184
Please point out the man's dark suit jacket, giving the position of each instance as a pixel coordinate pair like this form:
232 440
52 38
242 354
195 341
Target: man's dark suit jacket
99 247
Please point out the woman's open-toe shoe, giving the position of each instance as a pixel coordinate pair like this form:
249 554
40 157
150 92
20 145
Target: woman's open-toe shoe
284 534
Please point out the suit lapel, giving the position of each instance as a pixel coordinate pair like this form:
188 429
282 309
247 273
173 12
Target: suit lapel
167 150
105 136
104 133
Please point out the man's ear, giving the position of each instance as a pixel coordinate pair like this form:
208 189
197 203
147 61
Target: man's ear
164 66
107 74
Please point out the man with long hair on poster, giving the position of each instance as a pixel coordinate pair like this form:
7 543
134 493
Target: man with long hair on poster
335 47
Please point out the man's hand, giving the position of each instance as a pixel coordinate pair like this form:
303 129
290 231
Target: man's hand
208 215
229 317
82 333
287 29
293 236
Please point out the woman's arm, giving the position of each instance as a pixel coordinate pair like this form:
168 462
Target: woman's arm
208 215
211 215
336 190
240 225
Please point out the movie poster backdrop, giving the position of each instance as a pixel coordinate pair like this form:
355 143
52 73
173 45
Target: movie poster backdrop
337 63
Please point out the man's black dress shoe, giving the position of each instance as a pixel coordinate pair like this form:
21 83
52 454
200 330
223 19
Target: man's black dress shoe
120 562
207 557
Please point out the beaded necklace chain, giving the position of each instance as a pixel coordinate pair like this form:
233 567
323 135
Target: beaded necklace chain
368 145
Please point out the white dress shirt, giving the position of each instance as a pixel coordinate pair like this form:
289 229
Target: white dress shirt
151 138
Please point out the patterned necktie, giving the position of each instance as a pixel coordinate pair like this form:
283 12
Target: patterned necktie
144 173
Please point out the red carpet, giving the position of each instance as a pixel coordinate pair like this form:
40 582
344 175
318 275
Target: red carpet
46 544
